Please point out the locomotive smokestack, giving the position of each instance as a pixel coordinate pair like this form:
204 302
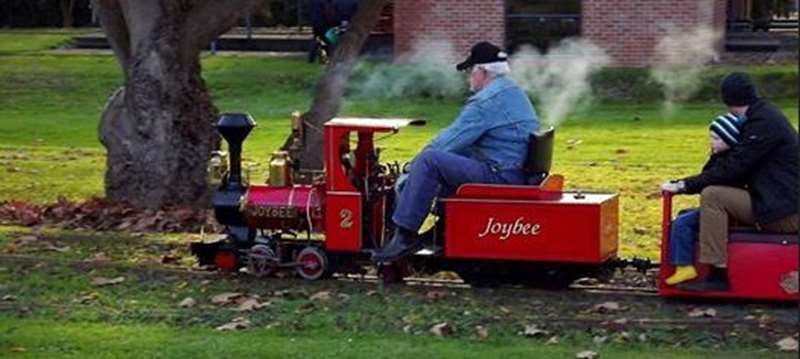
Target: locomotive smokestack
234 128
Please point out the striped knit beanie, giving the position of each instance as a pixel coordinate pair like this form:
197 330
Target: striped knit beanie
727 127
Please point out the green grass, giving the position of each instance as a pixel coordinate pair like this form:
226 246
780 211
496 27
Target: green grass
50 107
57 312
24 339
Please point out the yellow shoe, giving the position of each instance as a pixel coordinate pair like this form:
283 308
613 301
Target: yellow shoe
682 274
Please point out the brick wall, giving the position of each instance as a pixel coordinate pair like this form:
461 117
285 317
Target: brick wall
460 22
630 30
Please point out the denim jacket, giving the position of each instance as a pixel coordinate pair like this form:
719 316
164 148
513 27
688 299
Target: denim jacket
493 127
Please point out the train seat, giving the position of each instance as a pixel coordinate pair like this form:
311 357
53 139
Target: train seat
539 183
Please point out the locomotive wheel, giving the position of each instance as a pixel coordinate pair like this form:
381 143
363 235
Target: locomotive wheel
260 259
392 273
313 263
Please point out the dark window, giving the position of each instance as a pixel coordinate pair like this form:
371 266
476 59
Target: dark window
541 23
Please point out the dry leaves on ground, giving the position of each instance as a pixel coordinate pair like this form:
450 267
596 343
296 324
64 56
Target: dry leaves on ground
700 313
237 323
608 307
187 303
321 296
103 281
442 329
586 354
533 330
787 344
251 304
482 332
225 298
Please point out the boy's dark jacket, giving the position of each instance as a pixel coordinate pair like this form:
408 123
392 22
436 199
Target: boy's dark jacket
765 161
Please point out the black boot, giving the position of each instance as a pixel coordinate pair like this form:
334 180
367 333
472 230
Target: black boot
715 281
403 243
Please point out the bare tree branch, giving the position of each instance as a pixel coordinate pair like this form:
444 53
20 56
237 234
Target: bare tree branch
330 88
111 17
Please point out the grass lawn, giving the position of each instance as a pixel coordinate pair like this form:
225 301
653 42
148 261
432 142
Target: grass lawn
50 106
55 310
49 110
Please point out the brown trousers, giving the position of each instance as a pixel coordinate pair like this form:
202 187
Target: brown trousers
720 204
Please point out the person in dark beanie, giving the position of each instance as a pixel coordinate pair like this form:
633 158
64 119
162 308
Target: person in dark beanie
765 160
724 133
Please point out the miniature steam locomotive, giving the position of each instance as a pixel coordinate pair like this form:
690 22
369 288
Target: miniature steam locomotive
535 234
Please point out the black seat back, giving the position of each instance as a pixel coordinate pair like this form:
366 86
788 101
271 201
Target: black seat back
540 155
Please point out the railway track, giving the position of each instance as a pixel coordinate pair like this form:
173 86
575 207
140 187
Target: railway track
418 281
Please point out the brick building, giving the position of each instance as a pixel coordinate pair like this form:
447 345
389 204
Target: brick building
627 29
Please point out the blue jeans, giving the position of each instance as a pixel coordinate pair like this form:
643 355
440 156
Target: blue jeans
439 174
683 237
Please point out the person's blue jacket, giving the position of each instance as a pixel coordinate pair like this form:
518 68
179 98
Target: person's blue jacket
494 126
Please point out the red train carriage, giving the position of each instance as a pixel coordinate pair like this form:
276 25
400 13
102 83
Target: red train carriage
761 266
534 234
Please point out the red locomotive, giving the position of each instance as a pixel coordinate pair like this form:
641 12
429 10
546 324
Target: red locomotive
535 234
530 234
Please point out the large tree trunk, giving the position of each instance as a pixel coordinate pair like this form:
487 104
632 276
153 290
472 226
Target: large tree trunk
67 6
157 128
330 88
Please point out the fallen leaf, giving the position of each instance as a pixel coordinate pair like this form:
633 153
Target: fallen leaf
642 338
787 344
103 281
586 354
321 296
533 330
251 305
599 339
442 329
407 328
436 294
483 332
9 298
100 257
697 313
18 350
639 230
225 298
188 302
552 340
790 282
505 310
371 293
54 248
607 307
621 321
237 323
87 298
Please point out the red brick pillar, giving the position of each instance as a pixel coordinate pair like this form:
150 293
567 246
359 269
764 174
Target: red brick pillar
462 22
630 30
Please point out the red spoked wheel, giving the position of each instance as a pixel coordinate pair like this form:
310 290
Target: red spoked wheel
312 263
225 261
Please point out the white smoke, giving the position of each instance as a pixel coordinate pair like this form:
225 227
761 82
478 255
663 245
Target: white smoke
558 80
429 70
680 59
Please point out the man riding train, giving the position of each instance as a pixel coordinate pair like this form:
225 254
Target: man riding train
487 143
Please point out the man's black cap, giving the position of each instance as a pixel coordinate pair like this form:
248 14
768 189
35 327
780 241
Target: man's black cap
738 90
482 53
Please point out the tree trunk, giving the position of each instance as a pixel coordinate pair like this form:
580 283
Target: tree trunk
67 7
330 88
158 128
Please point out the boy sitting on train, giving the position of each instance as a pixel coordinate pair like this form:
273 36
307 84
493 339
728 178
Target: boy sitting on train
724 134
766 161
